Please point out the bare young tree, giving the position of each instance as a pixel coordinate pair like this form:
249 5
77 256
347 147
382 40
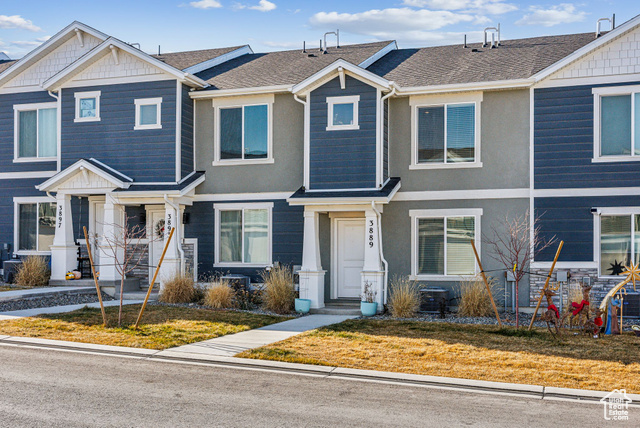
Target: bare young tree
510 244
127 249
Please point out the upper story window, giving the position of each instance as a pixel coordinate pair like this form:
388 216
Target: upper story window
243 131
243 234
87 106
35 226
342 113
441 245
35 132
148 113
617 123
446 134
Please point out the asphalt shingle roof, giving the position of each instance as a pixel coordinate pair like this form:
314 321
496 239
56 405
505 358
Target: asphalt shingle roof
186 59
444 65
284 67
6 64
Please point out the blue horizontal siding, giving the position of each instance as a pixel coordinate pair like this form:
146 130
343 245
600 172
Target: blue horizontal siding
145 155
343 159
7 101
571 220
563 143
287 230
8 190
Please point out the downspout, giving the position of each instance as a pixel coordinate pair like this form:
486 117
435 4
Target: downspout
305 103
178 238
381 125
384 261
53 95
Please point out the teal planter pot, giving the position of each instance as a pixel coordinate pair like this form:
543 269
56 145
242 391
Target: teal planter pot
303 306
368 309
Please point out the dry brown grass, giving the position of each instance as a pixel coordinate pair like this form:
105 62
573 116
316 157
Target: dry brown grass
164 327
179 289
220 295
404 300
33 272
468 351
474 299
278 293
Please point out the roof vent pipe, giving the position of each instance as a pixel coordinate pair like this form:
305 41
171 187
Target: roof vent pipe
496 30
304 47
610 20
335 33
493 41
134 45
465 42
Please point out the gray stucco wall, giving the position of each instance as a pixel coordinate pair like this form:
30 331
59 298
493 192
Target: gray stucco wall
504 148
284 175
396 237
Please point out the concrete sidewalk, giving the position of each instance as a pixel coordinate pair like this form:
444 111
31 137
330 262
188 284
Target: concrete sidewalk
60 309
232 344
42 291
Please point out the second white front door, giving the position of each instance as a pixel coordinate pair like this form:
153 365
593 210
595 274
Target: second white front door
349 259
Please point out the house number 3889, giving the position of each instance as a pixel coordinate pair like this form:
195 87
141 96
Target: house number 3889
370 233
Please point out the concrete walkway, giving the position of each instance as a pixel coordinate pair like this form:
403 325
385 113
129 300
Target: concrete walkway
41 291
232 344
9 315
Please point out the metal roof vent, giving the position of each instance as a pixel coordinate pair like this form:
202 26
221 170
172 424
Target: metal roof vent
611 21
495 31
337 34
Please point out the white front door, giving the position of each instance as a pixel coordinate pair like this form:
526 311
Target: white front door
157 242
349 256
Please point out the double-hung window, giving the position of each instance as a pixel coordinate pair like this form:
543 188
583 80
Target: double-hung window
619 240
243 234
35 223
446 134
342 113
148 113
616 123
35 132
441 242
243 131
87 106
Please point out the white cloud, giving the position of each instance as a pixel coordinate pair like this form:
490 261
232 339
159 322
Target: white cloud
30 43
491 7
563 13
206 4
16 21
264 6
389 23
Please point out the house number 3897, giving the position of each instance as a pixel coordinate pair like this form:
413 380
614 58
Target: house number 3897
370 233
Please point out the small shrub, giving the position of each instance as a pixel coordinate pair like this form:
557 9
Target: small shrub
179 289
404 300
474 300
278 294
33 272
368 294
220 295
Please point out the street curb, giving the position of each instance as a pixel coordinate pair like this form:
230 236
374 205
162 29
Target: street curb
467 385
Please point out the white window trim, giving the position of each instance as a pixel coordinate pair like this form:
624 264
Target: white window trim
17 108
610 211
331 101
146 102
84 95
16 223
241 102
443 101
236 207
598 93
415 215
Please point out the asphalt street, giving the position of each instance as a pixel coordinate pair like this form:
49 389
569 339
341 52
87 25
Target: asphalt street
50 388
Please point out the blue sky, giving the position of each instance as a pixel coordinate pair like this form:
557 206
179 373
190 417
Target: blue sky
279 24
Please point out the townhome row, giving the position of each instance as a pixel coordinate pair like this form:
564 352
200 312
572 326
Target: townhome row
353 163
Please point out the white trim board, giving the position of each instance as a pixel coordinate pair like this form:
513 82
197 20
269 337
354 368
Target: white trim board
444 195
264 196
26 174
593 191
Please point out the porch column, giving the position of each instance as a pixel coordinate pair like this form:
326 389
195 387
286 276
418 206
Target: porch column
112 229
311 274
64 252
172 261
373 270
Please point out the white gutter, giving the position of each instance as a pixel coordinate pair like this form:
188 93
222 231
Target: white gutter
384 261
462 87
214 93
178 238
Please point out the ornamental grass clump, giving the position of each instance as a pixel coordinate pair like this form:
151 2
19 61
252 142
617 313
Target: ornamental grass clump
404 300
278 293
33 272
180 288
220 295
474 299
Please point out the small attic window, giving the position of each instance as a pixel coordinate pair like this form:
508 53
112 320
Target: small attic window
342 113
